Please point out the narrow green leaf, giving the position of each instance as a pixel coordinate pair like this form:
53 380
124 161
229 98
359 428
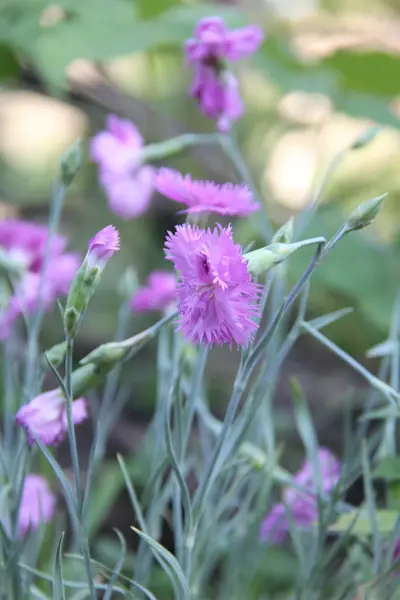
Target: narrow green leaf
324 321
169 558
118 567
58 579
360 523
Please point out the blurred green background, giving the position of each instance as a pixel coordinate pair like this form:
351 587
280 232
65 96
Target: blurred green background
326 71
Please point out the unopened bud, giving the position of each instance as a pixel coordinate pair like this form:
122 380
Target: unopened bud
112 352
71 162
100 250
284 235
56 354
259 261
366 137
364 214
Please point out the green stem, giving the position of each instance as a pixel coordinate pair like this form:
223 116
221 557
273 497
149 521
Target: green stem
71 428
161 150
34 329
233 152
75 465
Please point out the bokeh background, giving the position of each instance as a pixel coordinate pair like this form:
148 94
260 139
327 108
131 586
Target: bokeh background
327 70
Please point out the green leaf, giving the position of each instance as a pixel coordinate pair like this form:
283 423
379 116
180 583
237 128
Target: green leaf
166 556
103 29
388 468
359 523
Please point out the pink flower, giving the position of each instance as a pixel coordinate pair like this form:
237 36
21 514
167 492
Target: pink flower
25 242
128 185
158 294
301 505
129 196
206 196
214 86
102 246
38 504
116 150
217 299
45 417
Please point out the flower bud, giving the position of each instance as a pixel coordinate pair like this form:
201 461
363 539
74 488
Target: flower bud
100 250
259 261
284 235
56 354
364 214
71 162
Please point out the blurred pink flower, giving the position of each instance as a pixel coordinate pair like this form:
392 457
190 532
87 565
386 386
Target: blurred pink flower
38 504
102 246
129 196
214 86
25 243
301 505
217 299
116 150
45 417
127 183
206 196
158 293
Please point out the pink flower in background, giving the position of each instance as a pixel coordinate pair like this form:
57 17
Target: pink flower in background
116 150
25 243
301 505
217 299
102 246
158 293
45 417
214 86
206 196
127 183
38 504
129 197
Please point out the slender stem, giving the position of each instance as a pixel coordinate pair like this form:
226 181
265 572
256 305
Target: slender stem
34 329
161 150
75 465
71 428
233 152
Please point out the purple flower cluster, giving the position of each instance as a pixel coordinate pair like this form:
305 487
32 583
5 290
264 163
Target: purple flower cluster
214 86
25 244
301 505
128 184
217 298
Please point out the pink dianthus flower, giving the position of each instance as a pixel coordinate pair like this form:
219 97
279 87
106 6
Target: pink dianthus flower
38 504
206 196
301 505
127 183
214 86
103 245
217 300
158 293
45 417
